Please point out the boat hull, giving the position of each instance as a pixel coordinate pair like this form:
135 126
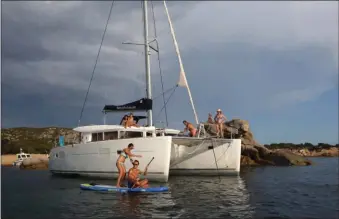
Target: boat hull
17 163
98 159
172 156
207 157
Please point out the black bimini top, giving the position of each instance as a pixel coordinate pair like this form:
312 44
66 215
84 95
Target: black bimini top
143 104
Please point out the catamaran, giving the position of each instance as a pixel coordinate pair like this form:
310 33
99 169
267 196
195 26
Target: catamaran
96 152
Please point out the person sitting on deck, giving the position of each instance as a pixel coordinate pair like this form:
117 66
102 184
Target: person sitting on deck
210 119
130 121
133 176
124 120
189 127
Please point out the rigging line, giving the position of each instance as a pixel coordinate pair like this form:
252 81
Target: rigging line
159 63
167 101
96 62
165 92
216 162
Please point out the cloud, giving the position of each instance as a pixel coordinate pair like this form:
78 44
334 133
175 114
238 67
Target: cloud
290 49
242 56
271 24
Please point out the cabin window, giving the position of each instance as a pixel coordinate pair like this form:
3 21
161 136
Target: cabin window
94 136
131 134
149 134
28 155
100 136
111 135
97 136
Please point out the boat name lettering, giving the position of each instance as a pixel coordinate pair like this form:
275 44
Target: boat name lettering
126 107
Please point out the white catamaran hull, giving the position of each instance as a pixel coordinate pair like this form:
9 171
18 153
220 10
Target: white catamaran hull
210 157
179 155
98 159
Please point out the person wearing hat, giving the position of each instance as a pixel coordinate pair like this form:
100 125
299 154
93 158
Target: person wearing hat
220 119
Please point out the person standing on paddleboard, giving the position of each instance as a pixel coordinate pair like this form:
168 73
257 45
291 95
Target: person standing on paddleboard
125 154
133 176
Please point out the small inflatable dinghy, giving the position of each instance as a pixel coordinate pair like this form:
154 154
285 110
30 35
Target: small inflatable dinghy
108 188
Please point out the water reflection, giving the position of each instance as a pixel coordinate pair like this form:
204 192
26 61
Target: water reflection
208 197
196 197
155 205
130 203
192 197
284 192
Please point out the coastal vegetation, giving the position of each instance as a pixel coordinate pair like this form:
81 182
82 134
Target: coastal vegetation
305 145
41 140
33 140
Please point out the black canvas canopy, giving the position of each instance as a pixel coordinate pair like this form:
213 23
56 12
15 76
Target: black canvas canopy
139 105
137 118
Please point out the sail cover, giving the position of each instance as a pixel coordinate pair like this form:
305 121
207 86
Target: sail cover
139 105
182 79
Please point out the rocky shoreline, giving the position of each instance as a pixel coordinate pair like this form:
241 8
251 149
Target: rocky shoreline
254 153
318 152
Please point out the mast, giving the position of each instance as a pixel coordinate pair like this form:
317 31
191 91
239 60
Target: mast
182 81
147 64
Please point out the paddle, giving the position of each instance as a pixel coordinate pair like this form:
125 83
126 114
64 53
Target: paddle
150 162
145 168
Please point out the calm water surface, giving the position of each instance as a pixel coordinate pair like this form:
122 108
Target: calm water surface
265 192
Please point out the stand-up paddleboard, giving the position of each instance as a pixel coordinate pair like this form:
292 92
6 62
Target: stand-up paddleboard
108 188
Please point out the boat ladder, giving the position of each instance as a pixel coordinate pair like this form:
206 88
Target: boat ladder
201 128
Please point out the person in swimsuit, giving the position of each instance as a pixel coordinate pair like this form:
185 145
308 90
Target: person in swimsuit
210 119
124 121
130 121
189 127
133 176
220 119
125 154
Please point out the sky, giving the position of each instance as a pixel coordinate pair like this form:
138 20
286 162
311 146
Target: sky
274 64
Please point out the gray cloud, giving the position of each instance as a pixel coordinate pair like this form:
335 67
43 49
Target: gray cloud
266 54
